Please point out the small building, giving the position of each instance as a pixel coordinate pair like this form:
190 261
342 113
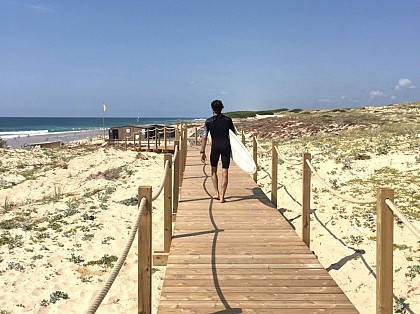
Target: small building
137 132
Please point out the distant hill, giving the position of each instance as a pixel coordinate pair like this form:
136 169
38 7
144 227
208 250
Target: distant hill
252 114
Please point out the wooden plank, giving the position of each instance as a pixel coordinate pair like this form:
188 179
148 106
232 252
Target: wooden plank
241 256
273 290
252 296
176 272
260 311
245 282
214 305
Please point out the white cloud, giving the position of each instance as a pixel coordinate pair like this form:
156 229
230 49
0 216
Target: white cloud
404 84
224 93
376 94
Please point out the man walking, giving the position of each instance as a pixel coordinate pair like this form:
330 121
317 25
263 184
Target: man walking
218 126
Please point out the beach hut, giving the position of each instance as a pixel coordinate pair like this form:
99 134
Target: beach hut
131 132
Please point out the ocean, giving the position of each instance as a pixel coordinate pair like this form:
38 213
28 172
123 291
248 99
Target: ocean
20 131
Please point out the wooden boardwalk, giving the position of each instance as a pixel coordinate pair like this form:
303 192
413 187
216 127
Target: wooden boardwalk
241 256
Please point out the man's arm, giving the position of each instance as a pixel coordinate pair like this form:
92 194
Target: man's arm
203 148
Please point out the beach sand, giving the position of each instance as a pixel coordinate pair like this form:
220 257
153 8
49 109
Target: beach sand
65 137
65 218
66 214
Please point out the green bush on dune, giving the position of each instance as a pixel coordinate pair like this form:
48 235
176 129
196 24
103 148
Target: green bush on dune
252 114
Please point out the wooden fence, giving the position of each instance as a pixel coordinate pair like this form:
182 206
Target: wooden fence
174 166
386 210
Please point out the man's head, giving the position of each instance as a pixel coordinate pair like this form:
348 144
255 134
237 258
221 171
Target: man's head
217 106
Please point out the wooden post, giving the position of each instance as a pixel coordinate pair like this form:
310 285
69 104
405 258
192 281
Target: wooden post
140 139
254 154
145 253
384 252
196 137
181 159
125 142
165 138
176 177
156 139
243 137
185 148
274 167
148 140
177 134
167 201
306 200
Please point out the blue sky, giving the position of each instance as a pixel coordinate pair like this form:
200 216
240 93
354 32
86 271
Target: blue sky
172 58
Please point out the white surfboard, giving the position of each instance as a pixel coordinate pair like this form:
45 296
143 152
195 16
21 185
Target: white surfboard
240 154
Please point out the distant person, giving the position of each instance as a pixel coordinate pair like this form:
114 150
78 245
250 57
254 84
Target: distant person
218 125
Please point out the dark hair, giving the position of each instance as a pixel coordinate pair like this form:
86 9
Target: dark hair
217 106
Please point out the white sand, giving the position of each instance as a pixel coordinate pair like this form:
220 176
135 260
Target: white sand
71 182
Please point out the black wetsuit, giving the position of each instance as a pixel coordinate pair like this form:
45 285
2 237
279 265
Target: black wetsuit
219 126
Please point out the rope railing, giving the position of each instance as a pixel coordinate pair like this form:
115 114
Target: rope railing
284 158
175 154
386 210
114 273
145 199
162 184
260 146
403 218
330 189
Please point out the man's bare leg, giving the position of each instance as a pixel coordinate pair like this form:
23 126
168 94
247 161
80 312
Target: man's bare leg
225 180
215 181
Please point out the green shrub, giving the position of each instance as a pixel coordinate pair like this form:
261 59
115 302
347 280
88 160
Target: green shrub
296 110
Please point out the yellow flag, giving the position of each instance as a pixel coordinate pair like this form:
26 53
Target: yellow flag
104 107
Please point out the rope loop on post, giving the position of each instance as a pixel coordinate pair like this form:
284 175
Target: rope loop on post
114 273
162 184
329 188
402 217
290 162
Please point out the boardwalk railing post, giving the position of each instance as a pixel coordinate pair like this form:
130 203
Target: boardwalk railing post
184 152
274 167
145 253
168 205
384 252
148 140
176 177
196 137
185 147
177 137
165 138
156 138
306 200
254 155
181 158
